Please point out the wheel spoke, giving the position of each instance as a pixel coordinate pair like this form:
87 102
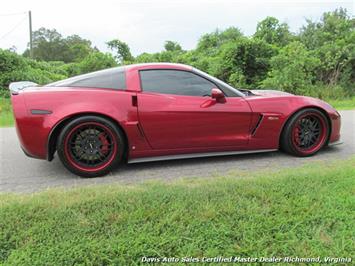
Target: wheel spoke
308 131
91 145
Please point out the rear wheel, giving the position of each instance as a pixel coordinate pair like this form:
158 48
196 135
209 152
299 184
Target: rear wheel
90 146
305 133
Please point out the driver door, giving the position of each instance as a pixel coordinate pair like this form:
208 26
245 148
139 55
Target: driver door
176 112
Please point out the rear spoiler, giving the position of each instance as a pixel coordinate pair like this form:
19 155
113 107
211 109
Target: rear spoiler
15 87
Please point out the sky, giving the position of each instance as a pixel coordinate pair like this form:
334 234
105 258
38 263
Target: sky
146 25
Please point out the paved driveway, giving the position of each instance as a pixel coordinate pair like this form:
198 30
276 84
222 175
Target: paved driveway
19 173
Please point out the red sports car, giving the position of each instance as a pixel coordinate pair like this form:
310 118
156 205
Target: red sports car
150 112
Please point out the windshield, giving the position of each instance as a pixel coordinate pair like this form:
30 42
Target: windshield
219 82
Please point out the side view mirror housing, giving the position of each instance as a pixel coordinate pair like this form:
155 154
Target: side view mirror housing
218 95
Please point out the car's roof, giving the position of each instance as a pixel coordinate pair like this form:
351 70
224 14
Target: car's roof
118 69
103 75
157 66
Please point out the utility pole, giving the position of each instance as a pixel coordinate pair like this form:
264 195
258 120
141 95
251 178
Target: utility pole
30 23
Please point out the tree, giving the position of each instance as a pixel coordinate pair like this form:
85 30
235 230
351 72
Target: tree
245 63
121 49
272 31
77 48
96 61
49 45
172 46
333 26
14 67
146 58
293 69
332 40
211 42
319 61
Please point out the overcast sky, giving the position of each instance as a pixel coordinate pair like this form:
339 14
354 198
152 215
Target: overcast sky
146 25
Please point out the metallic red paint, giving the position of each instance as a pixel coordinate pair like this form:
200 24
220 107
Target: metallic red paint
184 122
157 124
218 95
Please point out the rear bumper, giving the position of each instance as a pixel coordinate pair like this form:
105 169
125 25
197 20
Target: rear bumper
29 155
31 130
338 142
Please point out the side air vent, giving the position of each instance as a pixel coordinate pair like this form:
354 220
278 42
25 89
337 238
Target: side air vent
257 124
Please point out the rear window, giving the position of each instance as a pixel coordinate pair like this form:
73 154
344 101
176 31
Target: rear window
113 78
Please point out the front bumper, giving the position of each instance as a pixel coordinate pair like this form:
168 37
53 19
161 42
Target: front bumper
335 123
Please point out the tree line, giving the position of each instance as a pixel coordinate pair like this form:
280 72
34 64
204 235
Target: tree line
318 60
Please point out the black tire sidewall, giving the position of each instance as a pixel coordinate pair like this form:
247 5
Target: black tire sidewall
286 138
83 119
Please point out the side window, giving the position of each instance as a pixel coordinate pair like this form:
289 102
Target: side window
107 79
175 82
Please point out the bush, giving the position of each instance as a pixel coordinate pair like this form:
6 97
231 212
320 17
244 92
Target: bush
14 67
327 92
4 93
71 69
292 69
245 63
96 61
318 61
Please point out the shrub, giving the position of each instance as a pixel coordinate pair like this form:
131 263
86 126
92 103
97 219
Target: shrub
292 69
96 61
246 62
14 67
327 92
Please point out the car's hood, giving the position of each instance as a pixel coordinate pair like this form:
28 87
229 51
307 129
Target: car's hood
270 93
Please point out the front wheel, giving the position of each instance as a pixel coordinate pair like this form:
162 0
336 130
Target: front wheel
90 146
305 133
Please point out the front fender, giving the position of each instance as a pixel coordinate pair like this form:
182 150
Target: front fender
283 107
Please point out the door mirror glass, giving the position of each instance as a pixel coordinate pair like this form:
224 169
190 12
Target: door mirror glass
218 95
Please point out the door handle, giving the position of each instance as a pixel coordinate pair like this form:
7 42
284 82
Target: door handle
134 101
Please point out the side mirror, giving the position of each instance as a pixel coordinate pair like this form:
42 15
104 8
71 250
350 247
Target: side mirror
218 95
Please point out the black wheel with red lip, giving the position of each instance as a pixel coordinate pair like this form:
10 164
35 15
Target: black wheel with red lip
90 146
305 133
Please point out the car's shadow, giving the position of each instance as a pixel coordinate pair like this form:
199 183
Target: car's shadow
216 160
202 165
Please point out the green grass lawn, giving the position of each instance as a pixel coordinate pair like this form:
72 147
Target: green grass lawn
345 104
304 212
6 117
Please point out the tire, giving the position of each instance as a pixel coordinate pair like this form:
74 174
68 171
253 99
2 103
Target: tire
90 146
305 133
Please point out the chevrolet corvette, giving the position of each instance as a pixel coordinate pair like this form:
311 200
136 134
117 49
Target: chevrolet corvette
161 111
